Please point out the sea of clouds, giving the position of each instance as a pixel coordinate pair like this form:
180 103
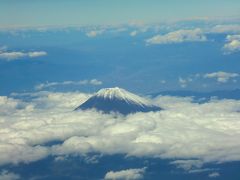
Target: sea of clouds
188 132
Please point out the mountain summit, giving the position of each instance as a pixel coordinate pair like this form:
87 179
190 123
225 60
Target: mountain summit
117 100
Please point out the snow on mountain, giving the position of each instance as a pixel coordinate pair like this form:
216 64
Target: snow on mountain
117 100
121 94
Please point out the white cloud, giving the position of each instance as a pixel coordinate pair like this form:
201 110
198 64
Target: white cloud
8 104
214 175
14 55
233 37
183 130
230 28
188 165
129 174
94 82
37 54
191 166
222 77
178 37
133 33
184 82
5 175
232 45
94 33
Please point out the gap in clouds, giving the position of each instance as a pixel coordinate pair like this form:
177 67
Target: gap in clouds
72 166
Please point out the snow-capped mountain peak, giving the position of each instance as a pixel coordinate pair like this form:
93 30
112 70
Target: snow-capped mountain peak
117 100
121 94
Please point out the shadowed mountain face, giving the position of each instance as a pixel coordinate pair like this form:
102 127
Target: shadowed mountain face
119 101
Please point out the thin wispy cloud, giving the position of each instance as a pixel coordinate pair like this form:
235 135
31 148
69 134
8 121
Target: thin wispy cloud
16 55
94 82
226 28
221 77
214 175
184 82
188 165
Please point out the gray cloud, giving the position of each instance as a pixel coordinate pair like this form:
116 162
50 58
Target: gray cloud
183 130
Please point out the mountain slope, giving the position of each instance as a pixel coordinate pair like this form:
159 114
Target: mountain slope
117 100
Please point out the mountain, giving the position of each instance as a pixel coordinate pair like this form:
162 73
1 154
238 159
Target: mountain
117 100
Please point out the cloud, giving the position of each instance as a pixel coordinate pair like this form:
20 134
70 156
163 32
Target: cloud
188 165
232 45
133 33
36 54
183 130
94 33
14 55
163 81
5 175
129 174
195 35
3 48
230 28
222 77
184 82
191 166
94 82
214 175
8 104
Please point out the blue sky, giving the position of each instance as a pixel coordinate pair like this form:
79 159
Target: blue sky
199 56
72 12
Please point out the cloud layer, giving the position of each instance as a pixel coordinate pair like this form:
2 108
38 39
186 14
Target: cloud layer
183 130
